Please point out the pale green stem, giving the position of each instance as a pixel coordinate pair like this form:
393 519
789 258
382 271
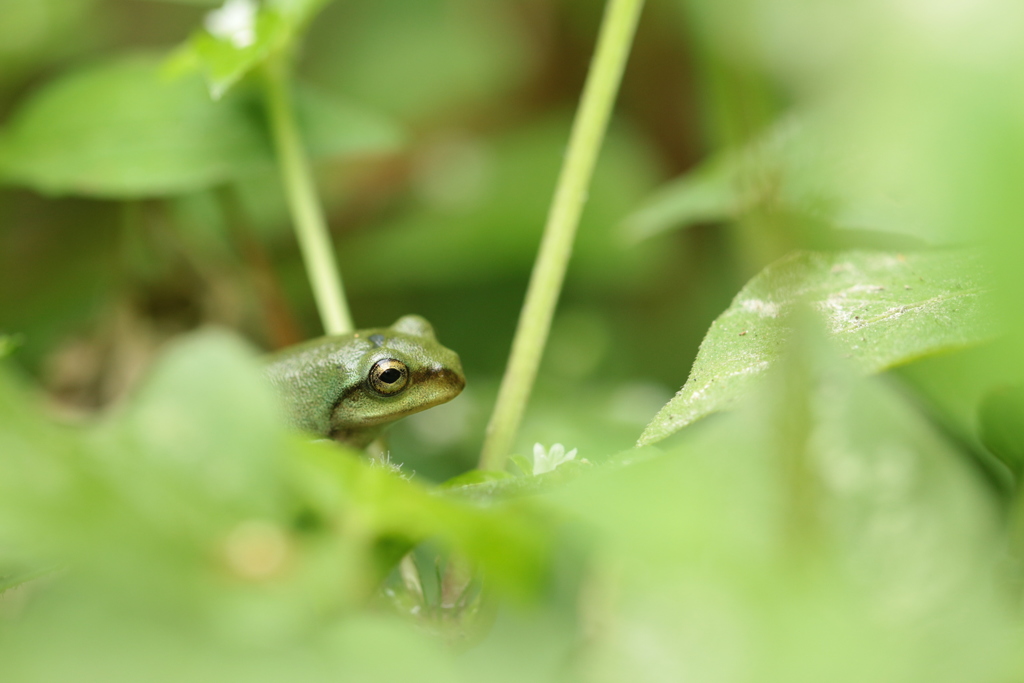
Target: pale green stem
613 45
307 212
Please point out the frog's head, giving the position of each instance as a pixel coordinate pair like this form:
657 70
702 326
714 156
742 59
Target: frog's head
393 372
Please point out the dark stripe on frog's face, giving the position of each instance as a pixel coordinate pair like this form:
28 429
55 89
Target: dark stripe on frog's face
443 385
440 377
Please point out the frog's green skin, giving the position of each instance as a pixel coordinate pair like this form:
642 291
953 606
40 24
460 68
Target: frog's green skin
326 387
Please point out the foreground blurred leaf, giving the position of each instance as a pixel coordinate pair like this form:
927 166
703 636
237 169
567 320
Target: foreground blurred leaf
122 130
79 635
703 578
1001 426
194 506
508 545
882 309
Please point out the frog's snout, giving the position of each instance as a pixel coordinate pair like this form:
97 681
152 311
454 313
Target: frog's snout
453 379
444 378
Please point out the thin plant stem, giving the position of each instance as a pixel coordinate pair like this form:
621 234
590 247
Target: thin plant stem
617 30
307 212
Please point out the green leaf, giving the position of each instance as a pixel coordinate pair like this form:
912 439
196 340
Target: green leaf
874 519
9 344
793 166
206 418
721 188
524 464
419 60
712 192
474 477
335 128
882 310
38 35
509 544
122 130
223 63
9 581
508 487
1001 426
298 11
505 186
226 59
171 505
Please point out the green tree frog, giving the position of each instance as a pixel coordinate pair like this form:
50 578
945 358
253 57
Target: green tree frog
351 387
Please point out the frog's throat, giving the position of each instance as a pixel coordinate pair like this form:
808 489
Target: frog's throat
358 438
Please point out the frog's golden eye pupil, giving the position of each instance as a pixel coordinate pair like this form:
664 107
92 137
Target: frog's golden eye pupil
388 377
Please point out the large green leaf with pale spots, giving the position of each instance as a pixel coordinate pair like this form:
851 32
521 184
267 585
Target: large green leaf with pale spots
882 310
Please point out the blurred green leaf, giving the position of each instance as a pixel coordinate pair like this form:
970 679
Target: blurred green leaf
484 206
241 36
193 500
723 187
11 580
705 568
84 635
298 10
43 32
507 544
881 309
224 63
489 486
9 344
425 60
335 128
953 386
206 419
44 478
1001 426
709 193
790 167
474 477
122 130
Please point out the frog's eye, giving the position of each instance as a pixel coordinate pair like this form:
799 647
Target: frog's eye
388 376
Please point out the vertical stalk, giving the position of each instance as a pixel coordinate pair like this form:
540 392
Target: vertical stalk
307 213
617 30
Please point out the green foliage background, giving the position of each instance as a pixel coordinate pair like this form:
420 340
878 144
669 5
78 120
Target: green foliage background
832 495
